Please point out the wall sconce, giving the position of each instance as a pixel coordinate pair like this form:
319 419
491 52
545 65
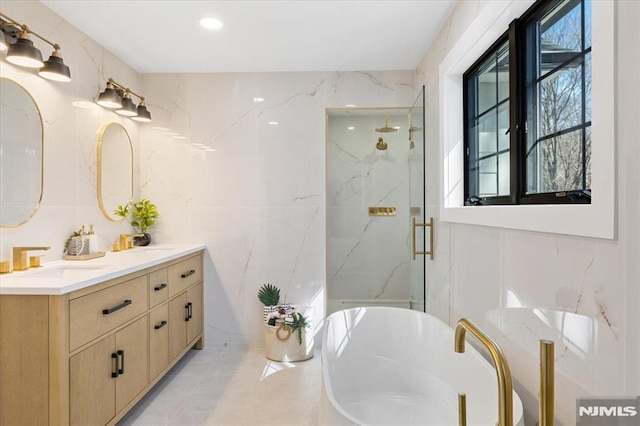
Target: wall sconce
15 39
118 98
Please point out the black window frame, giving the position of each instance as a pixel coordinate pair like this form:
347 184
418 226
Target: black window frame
517 51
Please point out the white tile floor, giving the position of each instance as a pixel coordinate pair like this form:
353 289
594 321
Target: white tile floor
232 387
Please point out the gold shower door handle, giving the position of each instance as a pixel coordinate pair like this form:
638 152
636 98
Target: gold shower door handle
413 240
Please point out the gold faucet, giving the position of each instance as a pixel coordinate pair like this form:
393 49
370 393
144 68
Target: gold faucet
546 393
20 257
125 237
505 387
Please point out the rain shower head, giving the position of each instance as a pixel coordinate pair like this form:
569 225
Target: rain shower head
386 128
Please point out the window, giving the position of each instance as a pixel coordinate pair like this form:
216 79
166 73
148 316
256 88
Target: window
527 113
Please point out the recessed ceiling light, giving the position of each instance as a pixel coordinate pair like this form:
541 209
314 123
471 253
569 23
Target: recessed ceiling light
273 123
211 23
258 99
350 127
349 105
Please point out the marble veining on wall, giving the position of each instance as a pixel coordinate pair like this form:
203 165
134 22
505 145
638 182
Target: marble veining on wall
258 200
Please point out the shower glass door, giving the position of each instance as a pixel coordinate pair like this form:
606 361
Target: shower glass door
417 203
373 173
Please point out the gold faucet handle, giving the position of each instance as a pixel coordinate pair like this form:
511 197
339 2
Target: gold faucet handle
462 409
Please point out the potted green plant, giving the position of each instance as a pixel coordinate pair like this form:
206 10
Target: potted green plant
299 323
269 295
281 322
144 215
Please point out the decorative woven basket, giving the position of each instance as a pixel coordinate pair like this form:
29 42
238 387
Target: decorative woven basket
268 310
78 246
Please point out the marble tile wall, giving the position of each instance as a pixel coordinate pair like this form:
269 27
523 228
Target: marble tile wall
69 180
258 201
368 257
519 286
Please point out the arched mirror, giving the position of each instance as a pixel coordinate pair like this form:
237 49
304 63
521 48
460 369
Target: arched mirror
21 158
115 169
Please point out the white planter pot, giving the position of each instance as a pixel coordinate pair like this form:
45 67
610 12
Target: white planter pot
282 345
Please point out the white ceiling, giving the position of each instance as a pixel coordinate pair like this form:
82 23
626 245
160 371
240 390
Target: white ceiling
163 36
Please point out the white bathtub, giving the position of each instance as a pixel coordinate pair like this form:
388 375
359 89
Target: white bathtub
392 366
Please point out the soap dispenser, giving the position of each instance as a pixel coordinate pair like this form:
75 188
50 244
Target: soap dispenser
93 240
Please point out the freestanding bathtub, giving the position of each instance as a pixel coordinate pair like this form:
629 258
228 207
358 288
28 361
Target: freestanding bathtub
392 366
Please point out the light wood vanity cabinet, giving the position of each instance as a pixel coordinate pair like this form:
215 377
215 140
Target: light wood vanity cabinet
86 358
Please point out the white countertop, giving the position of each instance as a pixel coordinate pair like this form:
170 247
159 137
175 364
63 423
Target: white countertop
65 276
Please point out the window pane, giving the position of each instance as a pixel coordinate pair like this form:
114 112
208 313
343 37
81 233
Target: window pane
486 84
588 157
503 126
556 164
503 174
488 178
487 137
561 99
561 30
503 73
487 88
587 24
587 86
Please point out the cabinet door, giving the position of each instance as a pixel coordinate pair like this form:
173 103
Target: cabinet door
132 349
194 301
177 325
158 340
91 385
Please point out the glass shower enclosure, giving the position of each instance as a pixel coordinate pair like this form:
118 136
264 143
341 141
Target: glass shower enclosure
375 190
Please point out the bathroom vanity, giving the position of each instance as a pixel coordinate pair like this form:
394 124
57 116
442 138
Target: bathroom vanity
82 342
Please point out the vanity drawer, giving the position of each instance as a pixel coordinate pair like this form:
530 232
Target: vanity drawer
184 274
95 314
158 287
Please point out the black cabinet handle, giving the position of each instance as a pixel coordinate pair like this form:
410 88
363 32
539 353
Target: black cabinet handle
186 318
190 305
114 373
186 274
159 326
160 287
115 308
121 355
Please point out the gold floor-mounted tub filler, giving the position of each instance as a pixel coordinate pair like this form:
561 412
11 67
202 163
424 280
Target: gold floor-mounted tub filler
505 385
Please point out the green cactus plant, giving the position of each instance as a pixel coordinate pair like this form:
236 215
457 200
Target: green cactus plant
269 294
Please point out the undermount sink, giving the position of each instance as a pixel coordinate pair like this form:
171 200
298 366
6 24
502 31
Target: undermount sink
61 272
148 250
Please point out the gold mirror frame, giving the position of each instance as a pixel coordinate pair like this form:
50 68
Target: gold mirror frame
102 167
37 109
